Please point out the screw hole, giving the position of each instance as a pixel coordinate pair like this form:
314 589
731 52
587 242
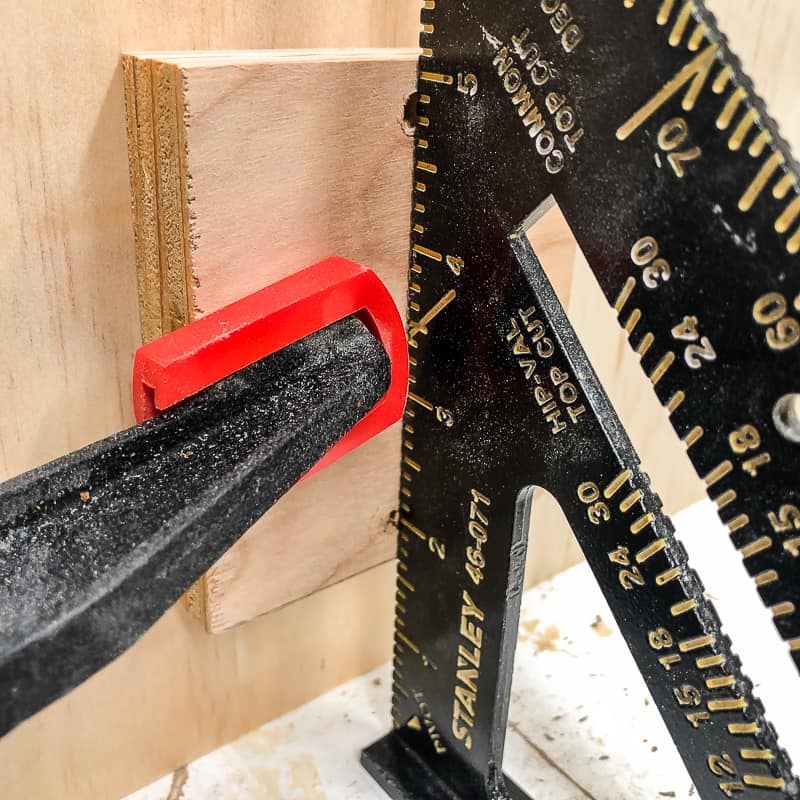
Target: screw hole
411 115
786 416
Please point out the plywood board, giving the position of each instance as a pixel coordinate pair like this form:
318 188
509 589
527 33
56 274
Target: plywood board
258 173
247 166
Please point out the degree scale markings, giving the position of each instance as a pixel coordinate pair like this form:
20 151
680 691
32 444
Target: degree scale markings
688 85
508 393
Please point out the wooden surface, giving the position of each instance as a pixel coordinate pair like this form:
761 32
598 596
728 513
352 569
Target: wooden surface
70 325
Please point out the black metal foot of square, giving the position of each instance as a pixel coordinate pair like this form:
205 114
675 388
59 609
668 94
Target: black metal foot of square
403 775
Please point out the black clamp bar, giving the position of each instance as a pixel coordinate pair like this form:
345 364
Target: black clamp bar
97 545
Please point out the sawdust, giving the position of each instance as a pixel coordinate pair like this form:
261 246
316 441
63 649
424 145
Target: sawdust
600 628
261 743
305 779
179 778
258 783
547 640
544 641
298 779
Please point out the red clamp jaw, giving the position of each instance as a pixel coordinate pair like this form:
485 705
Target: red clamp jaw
192 358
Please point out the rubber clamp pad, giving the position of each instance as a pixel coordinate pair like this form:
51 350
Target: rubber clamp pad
198 355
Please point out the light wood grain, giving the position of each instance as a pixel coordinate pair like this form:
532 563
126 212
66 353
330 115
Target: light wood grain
70 325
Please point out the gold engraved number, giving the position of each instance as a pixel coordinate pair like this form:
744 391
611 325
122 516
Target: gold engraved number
687 695
722 766
622 555
437 548
696 354
629 578
744 440
661 639
598 511
478 530
456 265
786 520
673 135
468 83
771 311
655 270
690 696
445 417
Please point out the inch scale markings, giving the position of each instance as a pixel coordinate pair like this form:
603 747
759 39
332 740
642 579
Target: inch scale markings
496 345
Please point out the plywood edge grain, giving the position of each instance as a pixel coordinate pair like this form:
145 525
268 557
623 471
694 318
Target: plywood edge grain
155 113
172 190
160 214
144 206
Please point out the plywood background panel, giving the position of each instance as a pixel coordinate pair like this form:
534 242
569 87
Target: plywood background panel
70 325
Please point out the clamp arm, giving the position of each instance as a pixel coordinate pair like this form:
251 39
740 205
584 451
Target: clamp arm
96 546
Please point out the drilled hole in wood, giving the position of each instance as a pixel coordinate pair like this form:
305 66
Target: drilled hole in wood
411 114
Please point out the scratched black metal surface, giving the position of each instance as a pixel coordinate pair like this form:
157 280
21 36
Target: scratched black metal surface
676 147
96 546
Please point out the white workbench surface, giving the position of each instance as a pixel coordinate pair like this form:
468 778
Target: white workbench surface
581 723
